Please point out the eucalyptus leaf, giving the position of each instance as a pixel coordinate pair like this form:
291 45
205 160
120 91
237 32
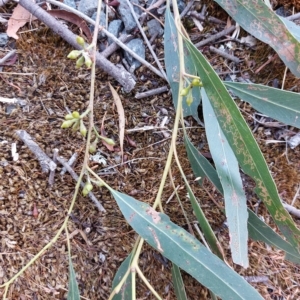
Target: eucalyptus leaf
229 174
178 283
183 249
244 145
256 18
73 292
281 105
172 67
126 290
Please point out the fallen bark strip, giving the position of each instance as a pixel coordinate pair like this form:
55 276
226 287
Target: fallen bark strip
121 75
224 54
75 177
45 161
292 210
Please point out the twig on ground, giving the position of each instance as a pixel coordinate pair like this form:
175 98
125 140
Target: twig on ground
123 77
256 279
292 210
296 196
203 18
75 177
294 17
124 38
224 54
273 57
108 34
151 92
52 172
187 8
70 162
215 36
146 40
44 160
7 56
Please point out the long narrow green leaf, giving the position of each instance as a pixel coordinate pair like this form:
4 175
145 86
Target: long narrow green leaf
126 290
204 224
183 249
229 174
73 293
244 145
200 165
178 283
256 18
281 105
260 231
172 67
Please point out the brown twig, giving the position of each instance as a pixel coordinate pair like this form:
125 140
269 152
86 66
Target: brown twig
52 172
122 76
224 54
44 160
215 36
75 177
151 92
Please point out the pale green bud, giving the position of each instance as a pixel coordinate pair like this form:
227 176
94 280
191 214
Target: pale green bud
184 91
108 141
80 41
189 99
93 146
83 129
197 82
69 117
80 62
74 54
67 123
87 188
75 114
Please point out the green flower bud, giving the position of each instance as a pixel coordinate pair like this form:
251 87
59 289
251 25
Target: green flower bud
80 62
197 82
189 99
87 188
184 91
93 146
108 141
69 117
74 54
68 123
88 61
75 114
83 129
80 41
76 125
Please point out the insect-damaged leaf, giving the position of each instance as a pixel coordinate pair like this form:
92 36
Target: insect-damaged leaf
244 145
256 18
183 249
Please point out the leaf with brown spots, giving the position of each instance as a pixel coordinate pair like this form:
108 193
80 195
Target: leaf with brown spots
256 18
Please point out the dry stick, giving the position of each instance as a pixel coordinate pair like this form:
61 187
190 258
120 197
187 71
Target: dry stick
293 17
224 54
187 8
292 210
75 177
146 40
108 34
44 160
124 38
122 76
215 36
71 161
52 173
201 17
7 56
151 92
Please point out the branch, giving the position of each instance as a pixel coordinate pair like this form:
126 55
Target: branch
121 75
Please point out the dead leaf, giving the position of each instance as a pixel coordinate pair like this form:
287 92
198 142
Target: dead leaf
18 19
121 114
74 19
